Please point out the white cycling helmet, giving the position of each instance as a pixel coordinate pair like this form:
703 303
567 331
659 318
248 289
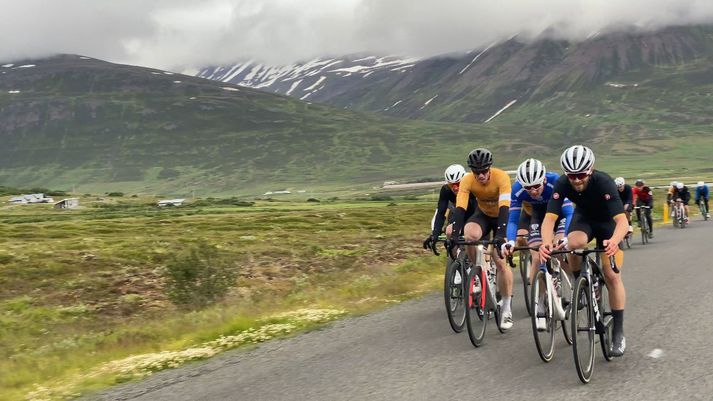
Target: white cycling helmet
531 172
619 181
700 184
673 183
577 159
454 173
679 185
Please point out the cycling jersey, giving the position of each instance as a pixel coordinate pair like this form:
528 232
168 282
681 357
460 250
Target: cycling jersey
682 193
520 198
643 194
445 198
626 195
493 199
599 201
701 192
491 196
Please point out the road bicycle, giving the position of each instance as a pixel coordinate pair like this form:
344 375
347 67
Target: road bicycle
551 285
482 300
454 288
702 208
643 222
679 214
591 314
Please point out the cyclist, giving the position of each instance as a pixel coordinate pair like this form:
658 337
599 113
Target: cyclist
626 195
702 192
669 196
681 193
447 197
491 187
644 196
534 187
599 214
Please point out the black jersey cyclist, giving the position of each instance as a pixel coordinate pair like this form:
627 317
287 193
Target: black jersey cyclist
446 205
599 214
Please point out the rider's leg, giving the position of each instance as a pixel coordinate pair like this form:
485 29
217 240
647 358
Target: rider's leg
576 240
449 230
472 232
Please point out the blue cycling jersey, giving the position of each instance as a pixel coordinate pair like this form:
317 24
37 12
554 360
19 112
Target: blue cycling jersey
539 205
701 192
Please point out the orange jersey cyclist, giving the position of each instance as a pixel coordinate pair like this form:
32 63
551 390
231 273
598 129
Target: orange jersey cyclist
599 214
491 187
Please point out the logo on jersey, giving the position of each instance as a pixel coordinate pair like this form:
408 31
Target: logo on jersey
607 196
556 195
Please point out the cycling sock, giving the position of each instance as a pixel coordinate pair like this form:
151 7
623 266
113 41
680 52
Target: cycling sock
506 303
618 329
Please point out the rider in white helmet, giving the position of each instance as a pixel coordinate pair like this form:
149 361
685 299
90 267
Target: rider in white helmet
627 198
702 193
599 214
682 194
446 201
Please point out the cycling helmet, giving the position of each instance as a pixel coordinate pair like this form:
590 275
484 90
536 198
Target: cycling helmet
479 159
454 173
577 159
619 181
700 184
679 185
531 172
639 182
673 183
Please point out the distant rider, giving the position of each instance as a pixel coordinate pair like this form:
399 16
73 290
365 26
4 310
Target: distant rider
644 196
627 198
702 192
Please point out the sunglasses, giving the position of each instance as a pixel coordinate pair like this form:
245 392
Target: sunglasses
577 176
454 186
481 172
532 187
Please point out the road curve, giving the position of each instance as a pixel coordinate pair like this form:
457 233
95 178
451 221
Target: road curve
408 352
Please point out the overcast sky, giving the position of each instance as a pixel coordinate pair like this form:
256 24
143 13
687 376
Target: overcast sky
175 34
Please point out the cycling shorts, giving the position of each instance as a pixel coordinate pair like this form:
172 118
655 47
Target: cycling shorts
599 230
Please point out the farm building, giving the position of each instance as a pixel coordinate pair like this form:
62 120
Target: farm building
69 203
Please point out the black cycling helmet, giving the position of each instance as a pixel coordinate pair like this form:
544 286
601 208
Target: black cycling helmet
479 159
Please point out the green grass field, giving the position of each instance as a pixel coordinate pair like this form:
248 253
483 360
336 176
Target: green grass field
81 288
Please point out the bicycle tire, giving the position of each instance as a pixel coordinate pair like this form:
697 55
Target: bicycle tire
525 263
605 337
544 340
476 317
582 307
453 295
644 225
494 298
566 294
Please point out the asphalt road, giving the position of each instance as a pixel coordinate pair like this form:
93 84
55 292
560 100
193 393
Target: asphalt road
408 352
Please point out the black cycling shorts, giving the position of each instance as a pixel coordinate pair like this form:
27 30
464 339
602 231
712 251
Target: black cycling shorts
536 224
487 224
599 230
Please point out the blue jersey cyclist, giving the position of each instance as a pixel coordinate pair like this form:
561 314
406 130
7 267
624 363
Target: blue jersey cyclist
533 190
702 193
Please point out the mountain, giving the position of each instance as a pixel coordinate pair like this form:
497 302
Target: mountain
77 122
474 86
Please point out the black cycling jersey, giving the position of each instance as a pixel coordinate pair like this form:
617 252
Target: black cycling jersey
599 201
444 198
683 193
627 196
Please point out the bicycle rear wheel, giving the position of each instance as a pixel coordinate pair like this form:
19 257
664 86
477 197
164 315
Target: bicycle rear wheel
476 316
583 329
454 295
644 224
541 308
525 263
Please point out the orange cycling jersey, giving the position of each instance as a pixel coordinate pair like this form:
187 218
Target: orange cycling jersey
490 197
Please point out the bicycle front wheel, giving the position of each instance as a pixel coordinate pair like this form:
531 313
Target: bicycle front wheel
453 285
525 275
476 315
566 294
583 329
541 311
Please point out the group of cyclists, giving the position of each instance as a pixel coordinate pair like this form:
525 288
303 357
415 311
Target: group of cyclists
546 211
678 191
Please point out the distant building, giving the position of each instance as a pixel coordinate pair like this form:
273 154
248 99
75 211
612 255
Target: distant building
171 202
69 203
31 198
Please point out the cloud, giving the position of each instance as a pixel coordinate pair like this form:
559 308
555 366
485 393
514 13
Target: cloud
175 34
